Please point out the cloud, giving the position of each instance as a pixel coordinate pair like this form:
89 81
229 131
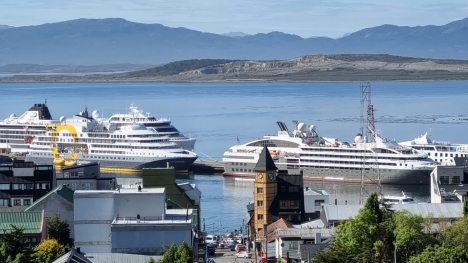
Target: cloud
303 17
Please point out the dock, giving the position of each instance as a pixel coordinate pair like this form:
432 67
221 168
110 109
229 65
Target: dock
207 167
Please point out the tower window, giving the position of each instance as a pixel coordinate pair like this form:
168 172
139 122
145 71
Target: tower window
260 217
259 190
259 203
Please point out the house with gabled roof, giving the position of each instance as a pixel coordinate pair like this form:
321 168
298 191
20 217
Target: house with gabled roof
33 223
57 201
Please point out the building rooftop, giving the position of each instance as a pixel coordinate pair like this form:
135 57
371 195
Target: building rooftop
72 256
437 211
62 190
31 221
304 233
265 162
310 191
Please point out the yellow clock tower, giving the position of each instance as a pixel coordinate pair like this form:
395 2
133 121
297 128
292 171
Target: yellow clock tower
265 190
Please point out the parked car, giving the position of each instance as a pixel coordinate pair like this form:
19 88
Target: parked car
242 254
240 247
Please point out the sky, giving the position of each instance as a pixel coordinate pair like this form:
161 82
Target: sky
306 18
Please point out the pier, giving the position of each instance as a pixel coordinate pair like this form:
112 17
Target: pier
207 167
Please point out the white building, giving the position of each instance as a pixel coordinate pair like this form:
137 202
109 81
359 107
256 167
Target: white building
313 200
129 221
448 184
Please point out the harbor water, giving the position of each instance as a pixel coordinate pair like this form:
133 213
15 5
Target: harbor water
220 114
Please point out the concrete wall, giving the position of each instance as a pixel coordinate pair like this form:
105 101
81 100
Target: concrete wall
309 202
144 204
93 217
148 239
55 204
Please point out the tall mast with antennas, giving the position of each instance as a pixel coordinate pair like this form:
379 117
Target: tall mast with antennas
370 174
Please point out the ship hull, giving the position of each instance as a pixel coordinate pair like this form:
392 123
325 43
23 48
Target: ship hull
179 163
387 176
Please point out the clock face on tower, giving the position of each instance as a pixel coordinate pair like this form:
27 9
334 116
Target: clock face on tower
270 176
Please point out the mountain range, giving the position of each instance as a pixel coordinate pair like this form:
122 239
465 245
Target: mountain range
115 40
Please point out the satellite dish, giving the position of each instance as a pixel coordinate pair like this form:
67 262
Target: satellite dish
95 114
12 116
62 119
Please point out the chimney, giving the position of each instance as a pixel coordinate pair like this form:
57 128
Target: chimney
78 249
318 238
307 188
168 166
138 218
139 188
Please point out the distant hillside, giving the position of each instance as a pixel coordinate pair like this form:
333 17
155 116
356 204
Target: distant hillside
4 27
33 68
117 41
334 67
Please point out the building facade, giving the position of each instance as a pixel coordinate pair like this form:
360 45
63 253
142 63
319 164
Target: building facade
133 221
86 177
22 183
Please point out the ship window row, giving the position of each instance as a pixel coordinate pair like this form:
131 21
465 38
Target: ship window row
21 132
108 157
347 162
143 136
244 164
446 155
328 167
133 147
338 150
241 170
361 157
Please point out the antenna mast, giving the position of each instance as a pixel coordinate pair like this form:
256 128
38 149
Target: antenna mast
370 173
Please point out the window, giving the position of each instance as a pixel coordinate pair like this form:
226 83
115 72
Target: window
43 186
259 190
444 179
26 201
283 188
455 179
260 217
319 202
4 186
3 202
293 245
259 203
17 202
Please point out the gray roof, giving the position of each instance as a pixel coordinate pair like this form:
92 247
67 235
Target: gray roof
443 210
118 258
265 162
317 223
71 256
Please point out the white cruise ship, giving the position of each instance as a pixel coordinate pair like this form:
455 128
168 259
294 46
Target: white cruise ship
161 125
327 159
82 140
443 153
16 133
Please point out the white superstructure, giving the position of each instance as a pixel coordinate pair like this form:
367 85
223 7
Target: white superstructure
161 125
16 133
395 199
82 139
328 159
443 153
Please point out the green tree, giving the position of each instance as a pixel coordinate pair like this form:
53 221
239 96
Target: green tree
169 255
59 230
15 245
373 205
48 250
410 238
151 260
183 254
441 254
456 234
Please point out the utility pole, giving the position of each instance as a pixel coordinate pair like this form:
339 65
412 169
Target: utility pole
370 173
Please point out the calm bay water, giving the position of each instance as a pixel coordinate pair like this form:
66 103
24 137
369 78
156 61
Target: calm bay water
217 114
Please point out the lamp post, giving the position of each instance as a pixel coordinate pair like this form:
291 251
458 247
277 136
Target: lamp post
394 252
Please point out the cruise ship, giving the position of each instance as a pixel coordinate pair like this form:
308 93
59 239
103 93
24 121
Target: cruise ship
328 159
16 133
443 153
161 125
82 140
